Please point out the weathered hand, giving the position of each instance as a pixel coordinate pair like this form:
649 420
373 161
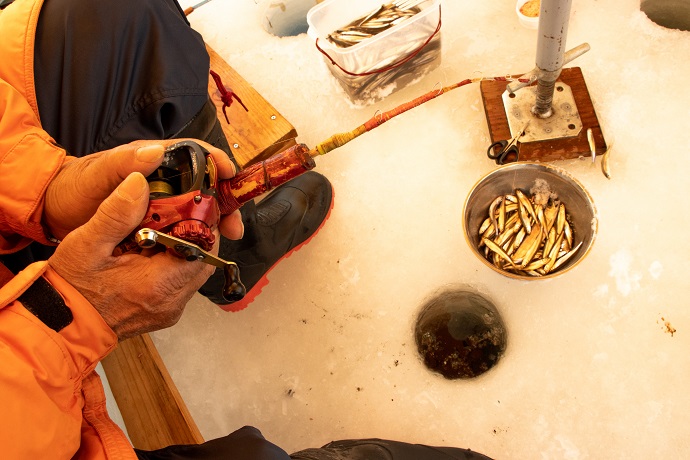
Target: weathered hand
133 293
83 183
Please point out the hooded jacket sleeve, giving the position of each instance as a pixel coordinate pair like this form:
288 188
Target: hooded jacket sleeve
52 401
29 159
51 337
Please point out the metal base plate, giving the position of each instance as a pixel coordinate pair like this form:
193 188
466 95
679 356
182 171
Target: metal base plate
565 121
549 150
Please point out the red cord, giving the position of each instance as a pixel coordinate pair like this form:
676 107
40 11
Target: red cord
226 94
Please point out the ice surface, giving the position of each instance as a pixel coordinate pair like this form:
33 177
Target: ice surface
326 352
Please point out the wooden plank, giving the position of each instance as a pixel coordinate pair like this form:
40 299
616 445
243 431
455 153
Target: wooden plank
256 134
153 410
548 150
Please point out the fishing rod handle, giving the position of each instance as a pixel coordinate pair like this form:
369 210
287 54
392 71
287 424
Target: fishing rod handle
262 177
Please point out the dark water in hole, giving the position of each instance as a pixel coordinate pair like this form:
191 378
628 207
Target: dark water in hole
460 334
672 14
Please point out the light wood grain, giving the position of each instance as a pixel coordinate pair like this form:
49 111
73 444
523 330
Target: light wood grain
253 135
153 410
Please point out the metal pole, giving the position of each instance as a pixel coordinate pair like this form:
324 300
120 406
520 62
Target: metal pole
552 34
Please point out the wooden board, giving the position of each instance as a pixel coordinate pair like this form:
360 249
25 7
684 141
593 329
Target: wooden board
253 135
549 150
153 410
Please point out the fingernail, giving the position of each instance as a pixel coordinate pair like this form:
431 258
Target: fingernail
133 187
150 153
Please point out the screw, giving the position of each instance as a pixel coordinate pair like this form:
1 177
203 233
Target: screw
273 117
237 146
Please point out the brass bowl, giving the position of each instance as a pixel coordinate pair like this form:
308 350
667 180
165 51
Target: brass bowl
504 180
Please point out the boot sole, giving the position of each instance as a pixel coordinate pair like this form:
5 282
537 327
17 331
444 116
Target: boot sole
258 287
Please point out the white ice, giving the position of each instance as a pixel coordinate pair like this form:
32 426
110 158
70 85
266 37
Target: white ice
326 352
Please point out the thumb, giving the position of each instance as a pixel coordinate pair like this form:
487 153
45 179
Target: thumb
138 158
118 215
102 172
124 160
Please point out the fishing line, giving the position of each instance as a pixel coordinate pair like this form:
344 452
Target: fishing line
340 139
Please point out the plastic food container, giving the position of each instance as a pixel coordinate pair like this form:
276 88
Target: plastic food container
385 62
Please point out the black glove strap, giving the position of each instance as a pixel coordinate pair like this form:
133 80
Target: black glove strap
47 304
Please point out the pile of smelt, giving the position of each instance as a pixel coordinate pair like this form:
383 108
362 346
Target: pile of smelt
527 238
384 18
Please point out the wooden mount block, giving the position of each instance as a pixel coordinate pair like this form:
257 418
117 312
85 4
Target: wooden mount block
548 150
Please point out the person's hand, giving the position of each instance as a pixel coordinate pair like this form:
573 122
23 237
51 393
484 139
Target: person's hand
133 293
82 184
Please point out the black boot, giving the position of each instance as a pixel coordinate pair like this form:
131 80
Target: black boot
280 224
382 449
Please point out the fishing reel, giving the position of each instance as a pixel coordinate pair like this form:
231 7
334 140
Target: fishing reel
183 212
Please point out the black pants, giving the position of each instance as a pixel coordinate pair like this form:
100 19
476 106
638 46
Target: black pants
248 444
113 71
109 72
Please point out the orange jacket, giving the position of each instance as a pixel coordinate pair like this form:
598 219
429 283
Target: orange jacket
52 403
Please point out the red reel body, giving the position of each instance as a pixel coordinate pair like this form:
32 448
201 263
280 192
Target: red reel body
183 200
192 217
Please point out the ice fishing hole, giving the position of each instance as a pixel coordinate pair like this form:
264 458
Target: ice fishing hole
285 18
672 14
460 334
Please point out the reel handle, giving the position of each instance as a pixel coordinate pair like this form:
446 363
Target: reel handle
233 289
